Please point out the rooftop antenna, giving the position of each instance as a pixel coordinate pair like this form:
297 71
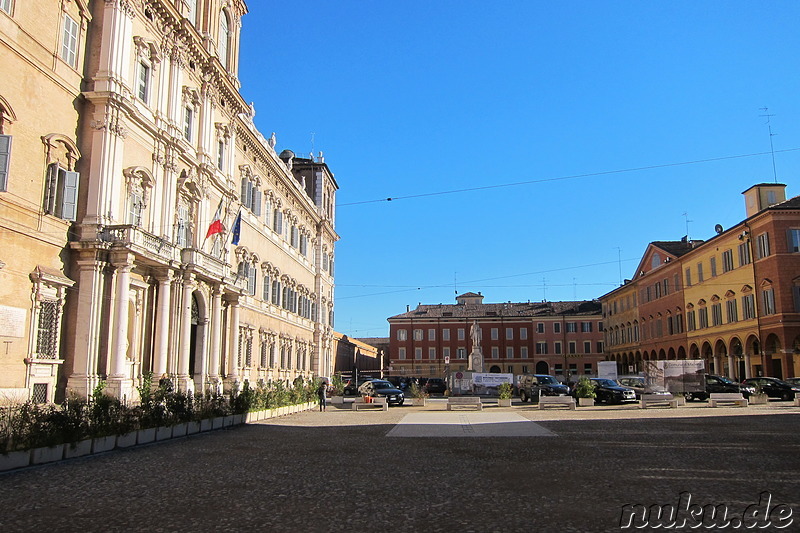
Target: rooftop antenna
455 282
686 216
619 263
771 135
312 146
544 289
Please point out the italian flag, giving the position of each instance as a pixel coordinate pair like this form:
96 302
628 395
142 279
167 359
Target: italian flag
216 224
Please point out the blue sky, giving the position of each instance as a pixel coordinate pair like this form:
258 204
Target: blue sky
408 99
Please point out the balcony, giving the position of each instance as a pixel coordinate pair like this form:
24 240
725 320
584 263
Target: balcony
204 263
138 241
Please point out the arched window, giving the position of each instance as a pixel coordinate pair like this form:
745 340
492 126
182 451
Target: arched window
224 38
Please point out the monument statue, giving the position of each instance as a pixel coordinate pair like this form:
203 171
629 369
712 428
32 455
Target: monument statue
476 357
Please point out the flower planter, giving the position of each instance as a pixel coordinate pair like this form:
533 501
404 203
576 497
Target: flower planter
504 402
419 402
585 402
146 436
238 420
164 433
192 427
206 424
78 449
12 460
758 399
337 400
228 421
47 454
126 440
179 430
104 444
218 422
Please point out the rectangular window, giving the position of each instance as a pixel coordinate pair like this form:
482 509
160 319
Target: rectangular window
446 352
61 192
461 334
733 311
267 283
277 226
509 352
744 254
727 260
523 333
418 353
557 347
572 327
688 277
699 272
135 204
495 334
586 327
524 369
587 346
461 353
792 235
599 346
69 44
716 314
417 334
540 327
690 321
188 118
572 347
509 334
431 334
183 232
713 266
556 327
5 5
541 348
762 242
523 352
401 353
748 307
445 334
769 301
703 316
47 332
402 334
431 353
495 352
221 155
143 82
5 159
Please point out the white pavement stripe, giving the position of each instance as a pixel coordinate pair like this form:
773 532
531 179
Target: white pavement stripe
478 424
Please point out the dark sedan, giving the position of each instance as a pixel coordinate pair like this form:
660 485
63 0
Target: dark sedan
609 391
773 387
380 387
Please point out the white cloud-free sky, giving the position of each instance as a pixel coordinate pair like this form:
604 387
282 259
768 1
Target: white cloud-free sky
572 132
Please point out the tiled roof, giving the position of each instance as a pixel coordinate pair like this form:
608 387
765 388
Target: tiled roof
510 309
677 248
791 203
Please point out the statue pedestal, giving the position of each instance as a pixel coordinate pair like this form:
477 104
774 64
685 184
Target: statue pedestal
475 361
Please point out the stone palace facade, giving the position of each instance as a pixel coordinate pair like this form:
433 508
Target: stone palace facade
148 226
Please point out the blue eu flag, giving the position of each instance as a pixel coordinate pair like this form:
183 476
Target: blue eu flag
237 228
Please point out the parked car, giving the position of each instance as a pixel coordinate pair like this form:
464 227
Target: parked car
351 389
774 387
381 387
531 386
436 386
794 382
639 386
609 391
716 383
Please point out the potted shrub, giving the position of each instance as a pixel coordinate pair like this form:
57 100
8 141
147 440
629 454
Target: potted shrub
337 389
504 395
759 397
418 394
584 391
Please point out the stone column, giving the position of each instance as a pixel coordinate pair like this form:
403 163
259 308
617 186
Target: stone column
731 366
162 326
184 380
120 383
216 330
718 365
83 377
233 342
747 371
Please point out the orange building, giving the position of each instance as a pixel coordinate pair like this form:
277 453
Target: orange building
733 300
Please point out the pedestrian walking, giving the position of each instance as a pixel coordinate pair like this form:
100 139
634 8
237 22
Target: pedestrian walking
321 392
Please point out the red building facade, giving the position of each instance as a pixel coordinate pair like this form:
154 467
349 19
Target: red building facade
517 338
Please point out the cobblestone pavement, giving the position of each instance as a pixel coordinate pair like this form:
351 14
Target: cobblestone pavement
339 471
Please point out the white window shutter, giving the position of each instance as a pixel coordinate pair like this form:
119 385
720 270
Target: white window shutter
68 195
5 157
